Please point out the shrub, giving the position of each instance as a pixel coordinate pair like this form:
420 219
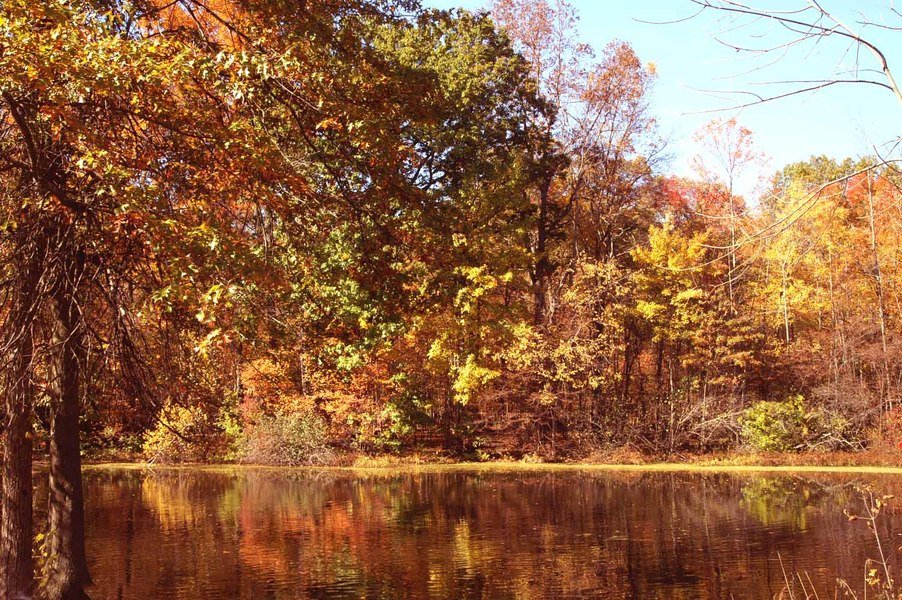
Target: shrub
777 426
185 434
789 426
287 438
382 430
229 422
110 444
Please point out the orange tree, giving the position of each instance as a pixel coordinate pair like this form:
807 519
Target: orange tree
149 149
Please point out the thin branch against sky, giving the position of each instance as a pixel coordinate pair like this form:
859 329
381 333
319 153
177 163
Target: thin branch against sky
694 70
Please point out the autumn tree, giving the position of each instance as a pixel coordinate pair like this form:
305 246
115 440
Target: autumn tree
404 312
151 193
728 154
836 253
545 34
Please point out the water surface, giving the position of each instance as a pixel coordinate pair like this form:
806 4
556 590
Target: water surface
457 533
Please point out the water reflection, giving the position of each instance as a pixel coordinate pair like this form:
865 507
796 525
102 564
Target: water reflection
178 533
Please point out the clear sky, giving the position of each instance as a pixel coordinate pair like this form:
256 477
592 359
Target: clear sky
843 120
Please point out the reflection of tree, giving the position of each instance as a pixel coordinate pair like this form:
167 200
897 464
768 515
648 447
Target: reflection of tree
788 500
280 534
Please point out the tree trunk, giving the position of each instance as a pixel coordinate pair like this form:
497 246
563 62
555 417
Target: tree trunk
67 569
785 301
16 527
732 266
878 285
834 335
543 268
16 566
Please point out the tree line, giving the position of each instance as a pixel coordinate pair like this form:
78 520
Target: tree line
285 232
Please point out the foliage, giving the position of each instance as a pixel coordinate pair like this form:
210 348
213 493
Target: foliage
370 226
276 231
185 434
384 431
783 426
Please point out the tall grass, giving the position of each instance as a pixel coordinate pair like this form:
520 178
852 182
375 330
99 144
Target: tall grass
877 584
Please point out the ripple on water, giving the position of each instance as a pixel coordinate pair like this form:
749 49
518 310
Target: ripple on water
181 534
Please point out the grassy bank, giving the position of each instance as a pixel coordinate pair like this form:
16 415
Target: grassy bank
840 462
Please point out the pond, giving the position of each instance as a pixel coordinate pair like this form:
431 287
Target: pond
475 533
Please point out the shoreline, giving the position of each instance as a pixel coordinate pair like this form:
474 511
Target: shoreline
700 465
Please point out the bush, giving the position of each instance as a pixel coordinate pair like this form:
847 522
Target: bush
777 426
109 444
790 426
287 438
185 435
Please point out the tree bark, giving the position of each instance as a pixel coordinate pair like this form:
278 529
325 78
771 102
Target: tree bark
542 267
16 525
16 565
67 568
784 296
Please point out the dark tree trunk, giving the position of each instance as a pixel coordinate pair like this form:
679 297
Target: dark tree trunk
16 527
62 267
16 566
67 569
543 268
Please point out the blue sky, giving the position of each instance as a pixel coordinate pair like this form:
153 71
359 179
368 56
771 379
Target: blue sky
843 120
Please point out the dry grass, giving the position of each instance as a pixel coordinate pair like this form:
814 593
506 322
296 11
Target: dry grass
624 459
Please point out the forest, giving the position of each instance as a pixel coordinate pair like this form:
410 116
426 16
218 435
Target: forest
294 233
